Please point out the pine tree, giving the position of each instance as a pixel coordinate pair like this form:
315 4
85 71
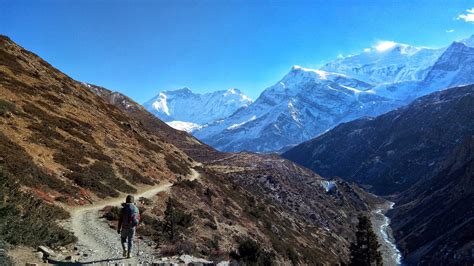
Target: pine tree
175 221
364 251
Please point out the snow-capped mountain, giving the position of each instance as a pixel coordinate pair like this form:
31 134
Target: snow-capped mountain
306 102
388 62
186 110
303 104
453 68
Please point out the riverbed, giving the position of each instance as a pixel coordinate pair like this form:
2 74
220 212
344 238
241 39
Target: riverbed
381 223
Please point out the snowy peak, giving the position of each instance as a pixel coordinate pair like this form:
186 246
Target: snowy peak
386 62
184 107
454 67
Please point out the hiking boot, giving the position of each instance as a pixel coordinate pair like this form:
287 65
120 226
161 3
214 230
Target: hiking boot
124 253
129 254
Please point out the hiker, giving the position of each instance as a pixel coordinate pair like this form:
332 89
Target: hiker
127 224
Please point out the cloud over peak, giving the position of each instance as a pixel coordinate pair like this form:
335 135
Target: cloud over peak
385 45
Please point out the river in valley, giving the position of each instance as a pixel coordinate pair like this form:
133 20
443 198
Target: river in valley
381 223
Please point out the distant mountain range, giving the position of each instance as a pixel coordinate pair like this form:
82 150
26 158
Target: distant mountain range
185 110
307 102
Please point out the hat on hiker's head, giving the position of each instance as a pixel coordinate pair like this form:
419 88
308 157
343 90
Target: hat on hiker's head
130 199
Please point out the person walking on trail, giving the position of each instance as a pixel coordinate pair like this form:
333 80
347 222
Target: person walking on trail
127 224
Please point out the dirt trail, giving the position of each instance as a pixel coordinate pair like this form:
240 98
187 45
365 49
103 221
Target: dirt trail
99 242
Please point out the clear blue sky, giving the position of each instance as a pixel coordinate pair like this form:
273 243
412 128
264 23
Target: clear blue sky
142 47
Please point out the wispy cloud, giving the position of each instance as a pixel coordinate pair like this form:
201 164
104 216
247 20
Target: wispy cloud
468 17
449 31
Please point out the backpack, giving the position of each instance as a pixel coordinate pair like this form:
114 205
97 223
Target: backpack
131 215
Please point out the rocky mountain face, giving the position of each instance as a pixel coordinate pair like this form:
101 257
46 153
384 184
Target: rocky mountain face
303 104
409 153
306 102
64 143
185 110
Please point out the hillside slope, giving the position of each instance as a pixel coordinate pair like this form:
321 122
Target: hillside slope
434 220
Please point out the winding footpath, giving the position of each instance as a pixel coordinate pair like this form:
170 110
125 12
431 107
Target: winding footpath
98 243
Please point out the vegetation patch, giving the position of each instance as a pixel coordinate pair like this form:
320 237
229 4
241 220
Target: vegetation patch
99 178
10 61
6 107
21 165
25 220
177 166
111 213
133 176
249 252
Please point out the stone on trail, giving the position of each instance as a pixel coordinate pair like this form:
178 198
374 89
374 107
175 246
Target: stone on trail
39 255
47 251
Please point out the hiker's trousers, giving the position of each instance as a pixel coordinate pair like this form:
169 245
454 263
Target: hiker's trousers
127 236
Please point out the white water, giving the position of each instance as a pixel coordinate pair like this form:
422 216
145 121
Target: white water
391 250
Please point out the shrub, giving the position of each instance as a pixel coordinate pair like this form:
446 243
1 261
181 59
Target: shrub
6 106
209 194
250 252
99 178
111 213
133 176
185 183
168 250
176 165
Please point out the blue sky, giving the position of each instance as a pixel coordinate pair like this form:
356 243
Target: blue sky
142 47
